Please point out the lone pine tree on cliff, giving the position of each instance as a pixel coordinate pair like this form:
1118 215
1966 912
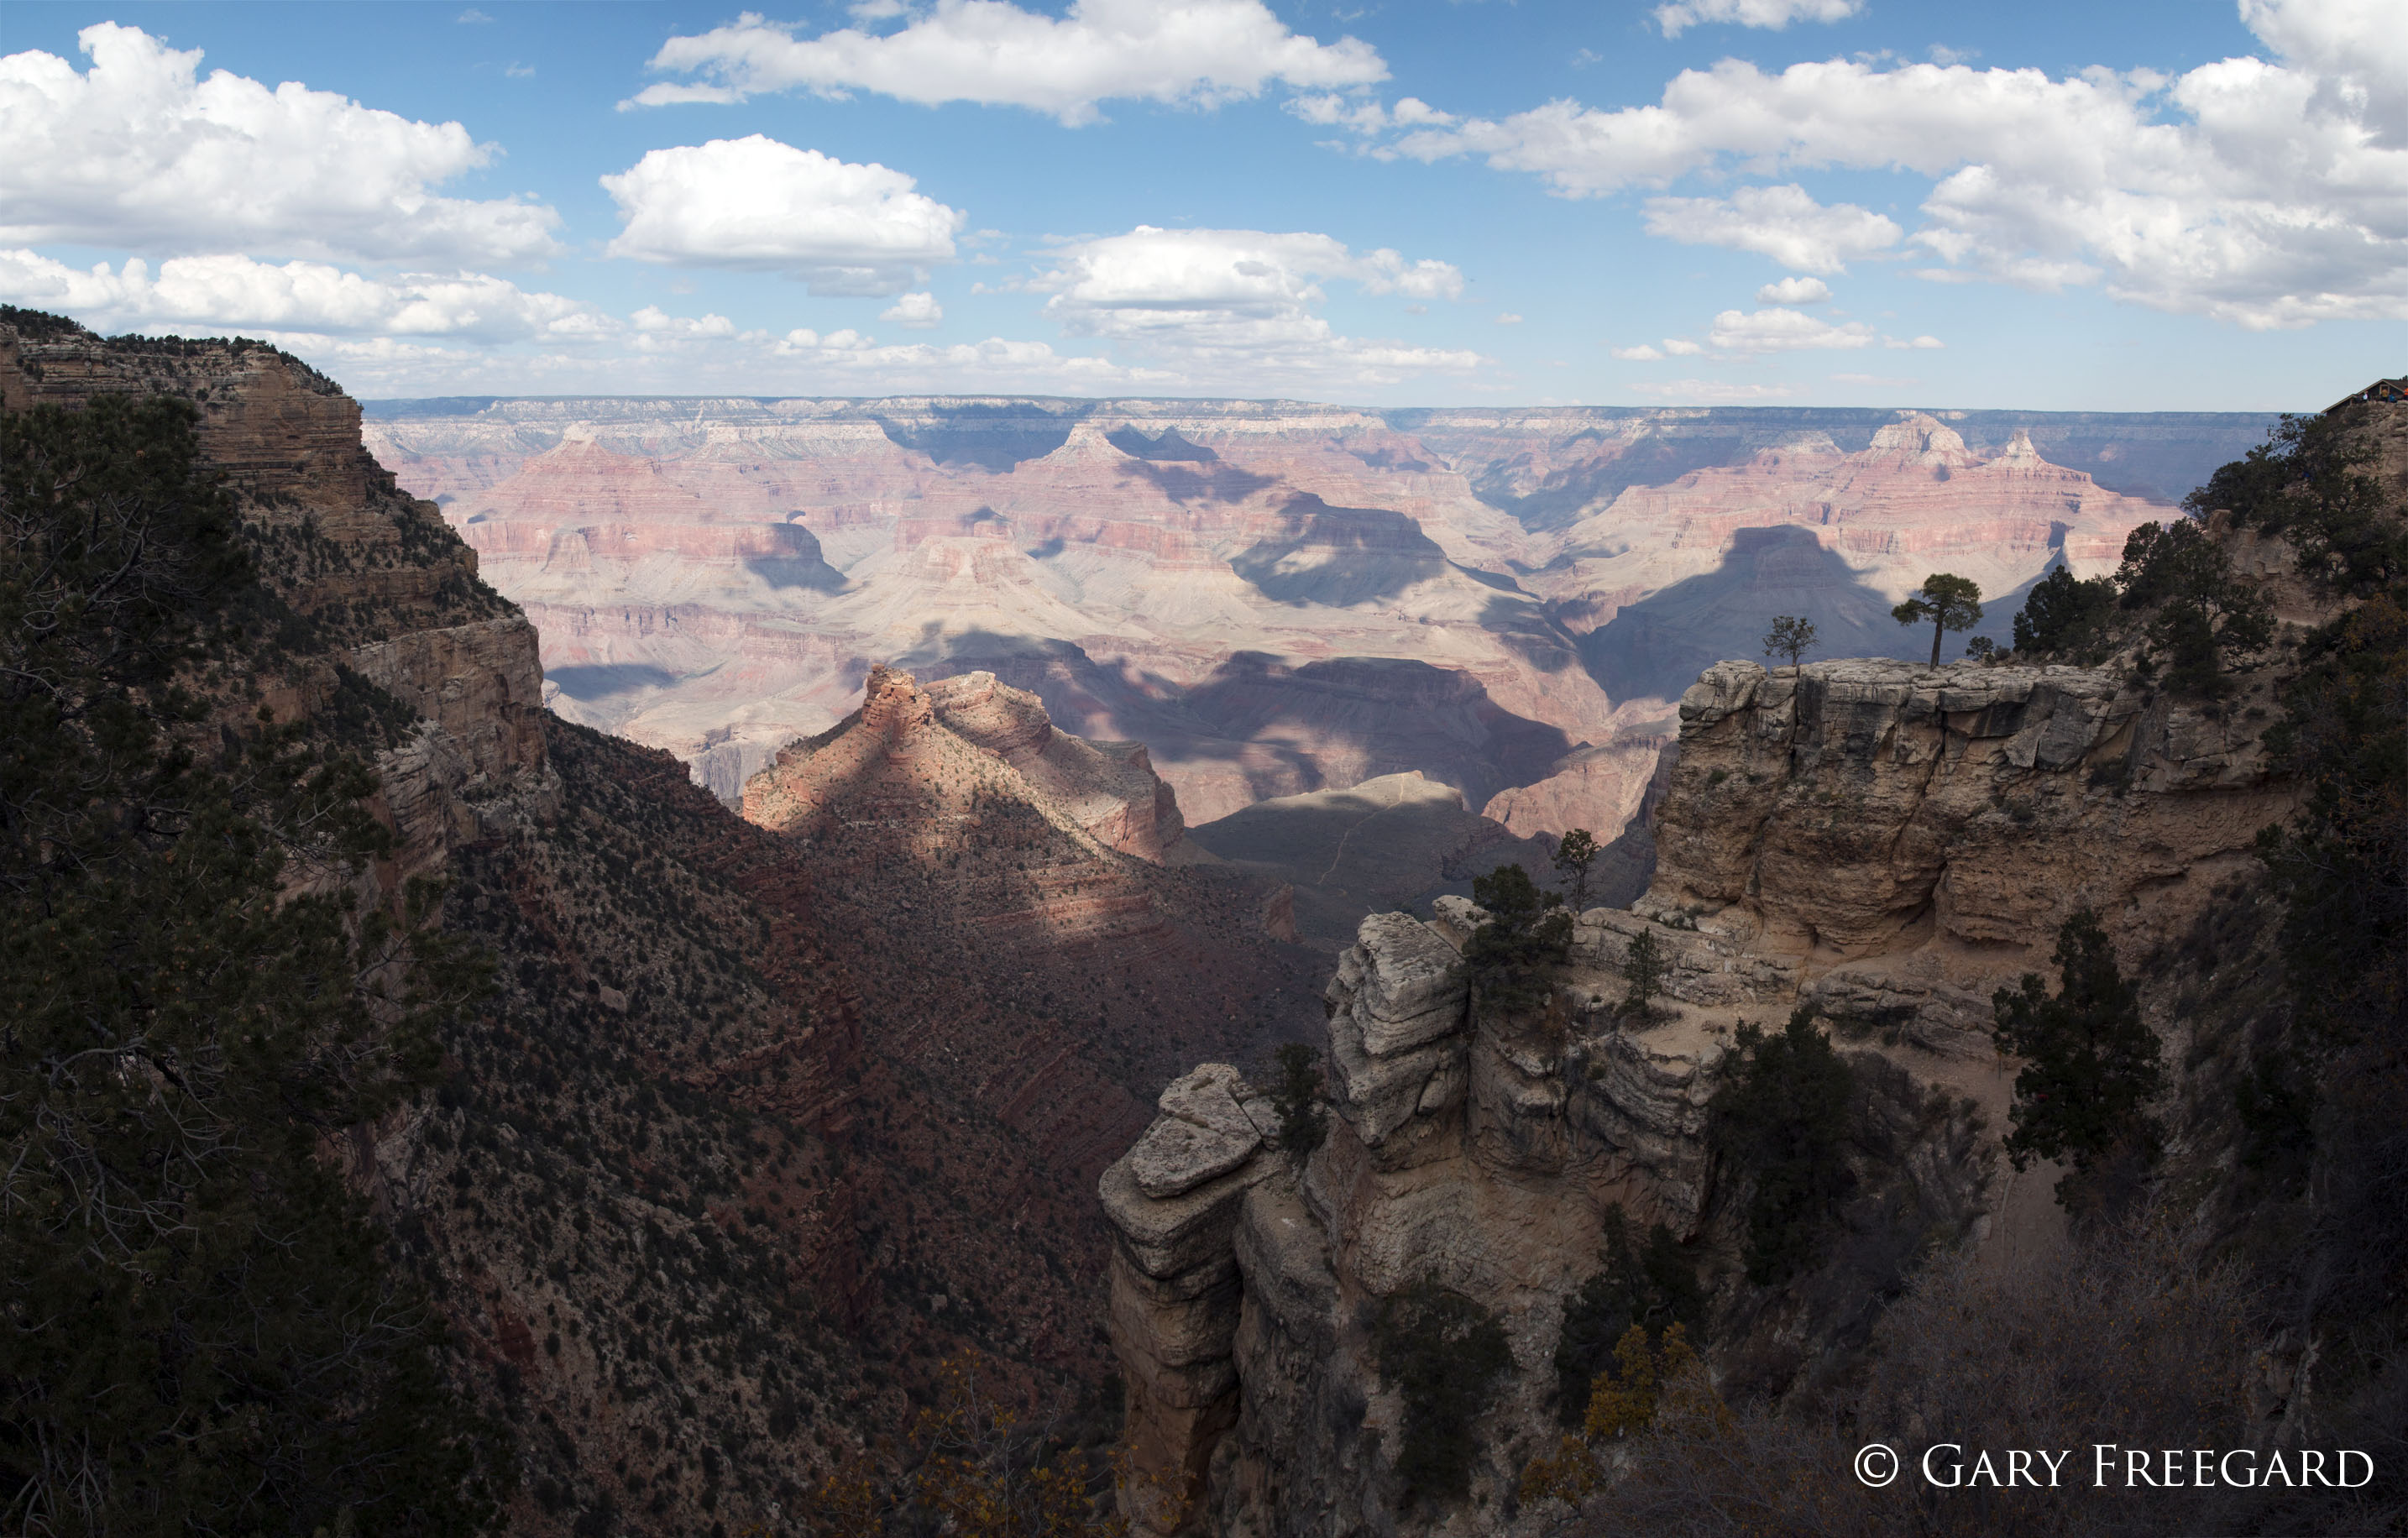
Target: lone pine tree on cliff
1574 855
1791 636
1950 603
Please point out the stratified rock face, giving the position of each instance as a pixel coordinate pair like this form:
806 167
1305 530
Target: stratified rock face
1601 789
1476 1150
390 594
917 738
1277 597
1107 788
1865 807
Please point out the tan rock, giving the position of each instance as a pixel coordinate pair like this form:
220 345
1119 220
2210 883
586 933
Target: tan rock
1202 1134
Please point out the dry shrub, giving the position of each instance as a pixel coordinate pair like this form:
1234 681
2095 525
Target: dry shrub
2125 1340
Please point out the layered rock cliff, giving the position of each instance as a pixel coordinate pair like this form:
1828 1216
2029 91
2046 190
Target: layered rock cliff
1883 842
748 1134
1279 597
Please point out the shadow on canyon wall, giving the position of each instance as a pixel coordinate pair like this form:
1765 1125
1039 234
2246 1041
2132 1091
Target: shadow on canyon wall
1659 646
1281 729
605 679
1337 557
2159 455
1172 444
1216 483
994 438
799 561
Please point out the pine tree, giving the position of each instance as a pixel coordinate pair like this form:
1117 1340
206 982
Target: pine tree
1950 603
1791 636
2091 1063
1574 854
1643 967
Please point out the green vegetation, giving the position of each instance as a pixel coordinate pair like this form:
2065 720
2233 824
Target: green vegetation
1791 636
2306 483
1575 853
2066 617
1643 967
204 1335
2342 870
1649 1290
2342 867
2091 1063
1304 1120
1511 958
2176 590
1780 1117
2201 615
1443 1354
1950 603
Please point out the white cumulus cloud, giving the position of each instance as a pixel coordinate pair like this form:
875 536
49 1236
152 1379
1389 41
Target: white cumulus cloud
2267 194
1782 222
139 153
221 293
915 313
1778 330
1641 353
1235 304
1774 15
1794 291
756 203
1188 53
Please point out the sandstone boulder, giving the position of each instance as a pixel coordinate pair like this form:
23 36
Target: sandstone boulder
1203 1133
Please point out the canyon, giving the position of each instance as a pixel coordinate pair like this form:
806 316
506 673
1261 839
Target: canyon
1074 743
1879 843
1277 599
750 1128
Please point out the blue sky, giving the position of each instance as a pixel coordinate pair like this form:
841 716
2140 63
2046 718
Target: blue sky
1778 202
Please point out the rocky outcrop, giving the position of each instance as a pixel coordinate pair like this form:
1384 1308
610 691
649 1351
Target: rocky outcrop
1882 842
379 587
1602 789
1107 788
1476 1149
1863 807
907 739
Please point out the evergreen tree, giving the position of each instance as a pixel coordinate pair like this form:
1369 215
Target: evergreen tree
1791 636
2307 483
2091 1063
1950 603
2201 613
1575 852
1513 956
1642 969
1443 1354
1782 1117
1304 1121
1650 1289
2063 615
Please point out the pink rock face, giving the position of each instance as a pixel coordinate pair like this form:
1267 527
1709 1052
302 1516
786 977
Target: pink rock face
1273 599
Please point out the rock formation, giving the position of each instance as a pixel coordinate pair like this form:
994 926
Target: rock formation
1278 598
751 1132
1477 1150
1882 842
